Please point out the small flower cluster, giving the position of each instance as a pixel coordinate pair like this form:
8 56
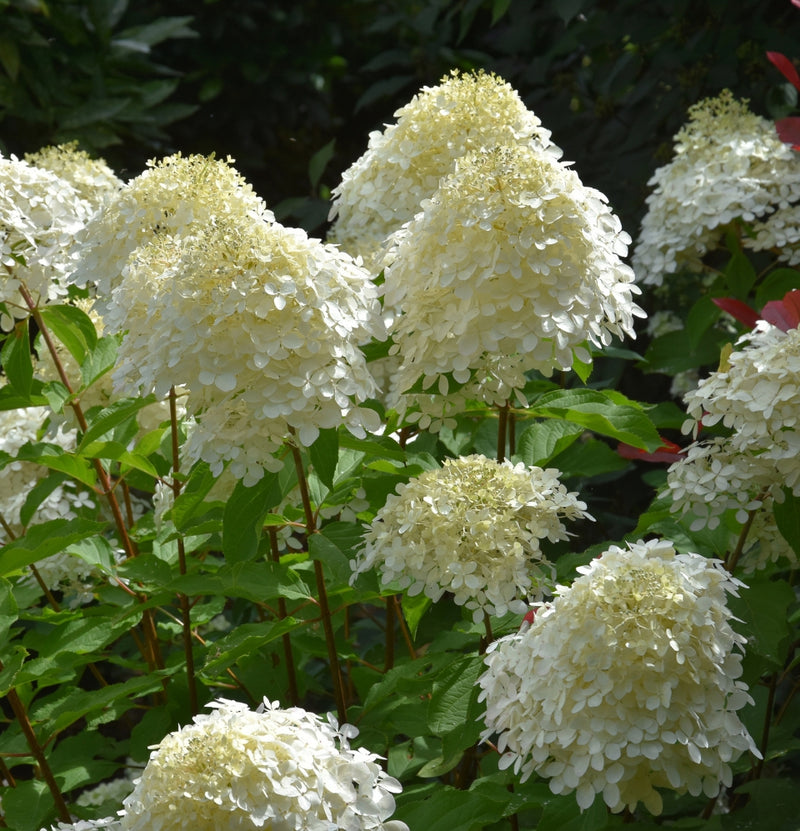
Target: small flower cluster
269 769
512 265
729 164
474 528
404 163
40 216
92 179
260 322
756 394
625 683
60 572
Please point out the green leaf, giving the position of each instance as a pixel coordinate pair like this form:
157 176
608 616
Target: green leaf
29 806
589 458
499 8
324 549
260 582
246 640
324 453
772 805
73 327
775 285
37 494
413 610
105 420
763 606
740 275
605 412
319 161
541 441
244 515
453 709
117 452
12 665
447 809
701 317
55 458
563 814
56 394
9 611
99 360
787 518
16 359
191 501
43 540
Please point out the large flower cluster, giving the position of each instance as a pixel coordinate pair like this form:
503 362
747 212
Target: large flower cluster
235 769
756 393
512 265
729 164
404 163
474 528
259 322
625 683
40 215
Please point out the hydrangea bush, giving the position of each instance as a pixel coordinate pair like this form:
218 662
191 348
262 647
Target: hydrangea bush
360 533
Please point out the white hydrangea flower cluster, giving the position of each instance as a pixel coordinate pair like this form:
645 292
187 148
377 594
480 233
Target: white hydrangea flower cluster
756 393
512 265
235 769
625 683
474 528
780 233
108 823
728 164
403 164
40 216
93 179
260 322
62 572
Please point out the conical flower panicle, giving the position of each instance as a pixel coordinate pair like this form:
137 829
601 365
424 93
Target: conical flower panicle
512 265
404 163
728 164
625 683
474 528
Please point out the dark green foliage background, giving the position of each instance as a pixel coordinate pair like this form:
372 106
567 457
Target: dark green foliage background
274 83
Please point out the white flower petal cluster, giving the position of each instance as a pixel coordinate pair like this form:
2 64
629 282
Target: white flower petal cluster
109 823
261 324
625 683
474 528
93 179
512 265
728 164
403 164
176 194
279 770
780 232
60 572
756 393
40 216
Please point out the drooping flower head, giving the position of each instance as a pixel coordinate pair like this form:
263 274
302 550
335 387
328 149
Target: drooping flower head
512 265
625 683
729 164
474 528
272 769
40 216
404 163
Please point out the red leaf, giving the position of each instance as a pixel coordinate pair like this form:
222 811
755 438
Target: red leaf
789 131
796 3
668 452
737 309
785 314
785 67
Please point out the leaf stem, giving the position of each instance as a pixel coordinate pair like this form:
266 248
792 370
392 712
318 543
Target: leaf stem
288 654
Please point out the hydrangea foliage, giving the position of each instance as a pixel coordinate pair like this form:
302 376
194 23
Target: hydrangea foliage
625 683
